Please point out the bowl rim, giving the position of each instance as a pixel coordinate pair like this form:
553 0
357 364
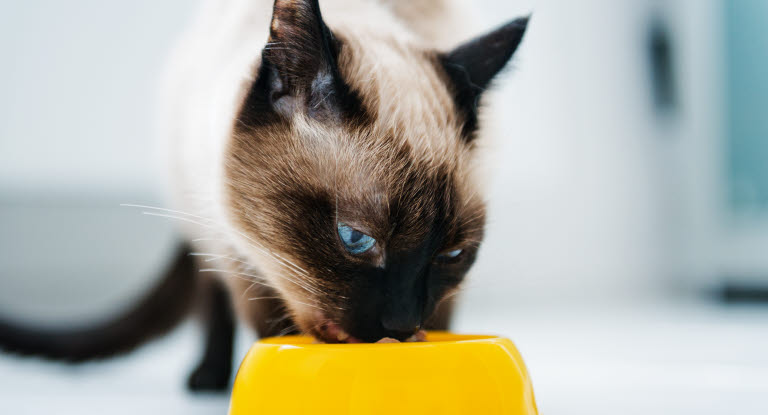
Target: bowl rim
440 338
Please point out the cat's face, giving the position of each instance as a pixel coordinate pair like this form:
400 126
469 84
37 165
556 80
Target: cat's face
350 172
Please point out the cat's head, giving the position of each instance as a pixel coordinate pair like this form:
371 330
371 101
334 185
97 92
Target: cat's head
351 171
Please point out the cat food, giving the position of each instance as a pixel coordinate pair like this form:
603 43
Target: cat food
419 336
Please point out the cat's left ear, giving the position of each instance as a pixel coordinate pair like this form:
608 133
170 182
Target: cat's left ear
299 71
472 66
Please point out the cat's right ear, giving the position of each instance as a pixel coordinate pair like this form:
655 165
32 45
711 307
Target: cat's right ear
299 71
472 66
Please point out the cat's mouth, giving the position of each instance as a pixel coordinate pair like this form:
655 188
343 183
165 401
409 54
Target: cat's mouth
329 331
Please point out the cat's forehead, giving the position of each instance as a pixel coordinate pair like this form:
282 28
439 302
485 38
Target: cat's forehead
380 178
374 159
403 89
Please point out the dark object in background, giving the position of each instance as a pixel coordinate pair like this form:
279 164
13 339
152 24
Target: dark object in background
735 293
661 63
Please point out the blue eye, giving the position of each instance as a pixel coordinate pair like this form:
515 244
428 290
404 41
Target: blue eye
454 253
355 241
451 254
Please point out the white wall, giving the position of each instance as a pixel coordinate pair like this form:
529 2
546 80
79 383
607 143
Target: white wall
77 87
78 81
575 208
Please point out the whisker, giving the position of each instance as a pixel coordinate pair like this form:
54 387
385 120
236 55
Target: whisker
250 287
265 298
274 322
209 240
308 305
214 257
234 274
178 212
271 254
296 274
287 330
174 217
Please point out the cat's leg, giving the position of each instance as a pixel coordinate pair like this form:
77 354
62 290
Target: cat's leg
215 368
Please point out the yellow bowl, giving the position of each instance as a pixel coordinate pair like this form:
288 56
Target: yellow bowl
447 374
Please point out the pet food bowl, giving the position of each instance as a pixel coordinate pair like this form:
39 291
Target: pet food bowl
447 374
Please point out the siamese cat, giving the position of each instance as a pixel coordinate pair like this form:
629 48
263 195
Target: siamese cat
324 166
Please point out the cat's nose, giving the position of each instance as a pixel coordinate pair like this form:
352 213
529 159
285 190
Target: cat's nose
400 329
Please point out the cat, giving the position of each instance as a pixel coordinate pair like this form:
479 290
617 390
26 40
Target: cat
333 171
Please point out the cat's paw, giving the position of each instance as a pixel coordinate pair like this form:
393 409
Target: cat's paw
208 377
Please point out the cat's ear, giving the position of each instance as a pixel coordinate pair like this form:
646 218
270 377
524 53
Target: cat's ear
299 71
472 66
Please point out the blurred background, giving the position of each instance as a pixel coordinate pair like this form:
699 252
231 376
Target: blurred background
627 244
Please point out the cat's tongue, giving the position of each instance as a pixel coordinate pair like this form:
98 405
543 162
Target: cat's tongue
334 331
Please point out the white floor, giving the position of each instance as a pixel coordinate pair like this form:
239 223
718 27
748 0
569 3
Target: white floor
649 359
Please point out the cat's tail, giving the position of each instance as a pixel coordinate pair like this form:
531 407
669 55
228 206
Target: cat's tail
158 312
